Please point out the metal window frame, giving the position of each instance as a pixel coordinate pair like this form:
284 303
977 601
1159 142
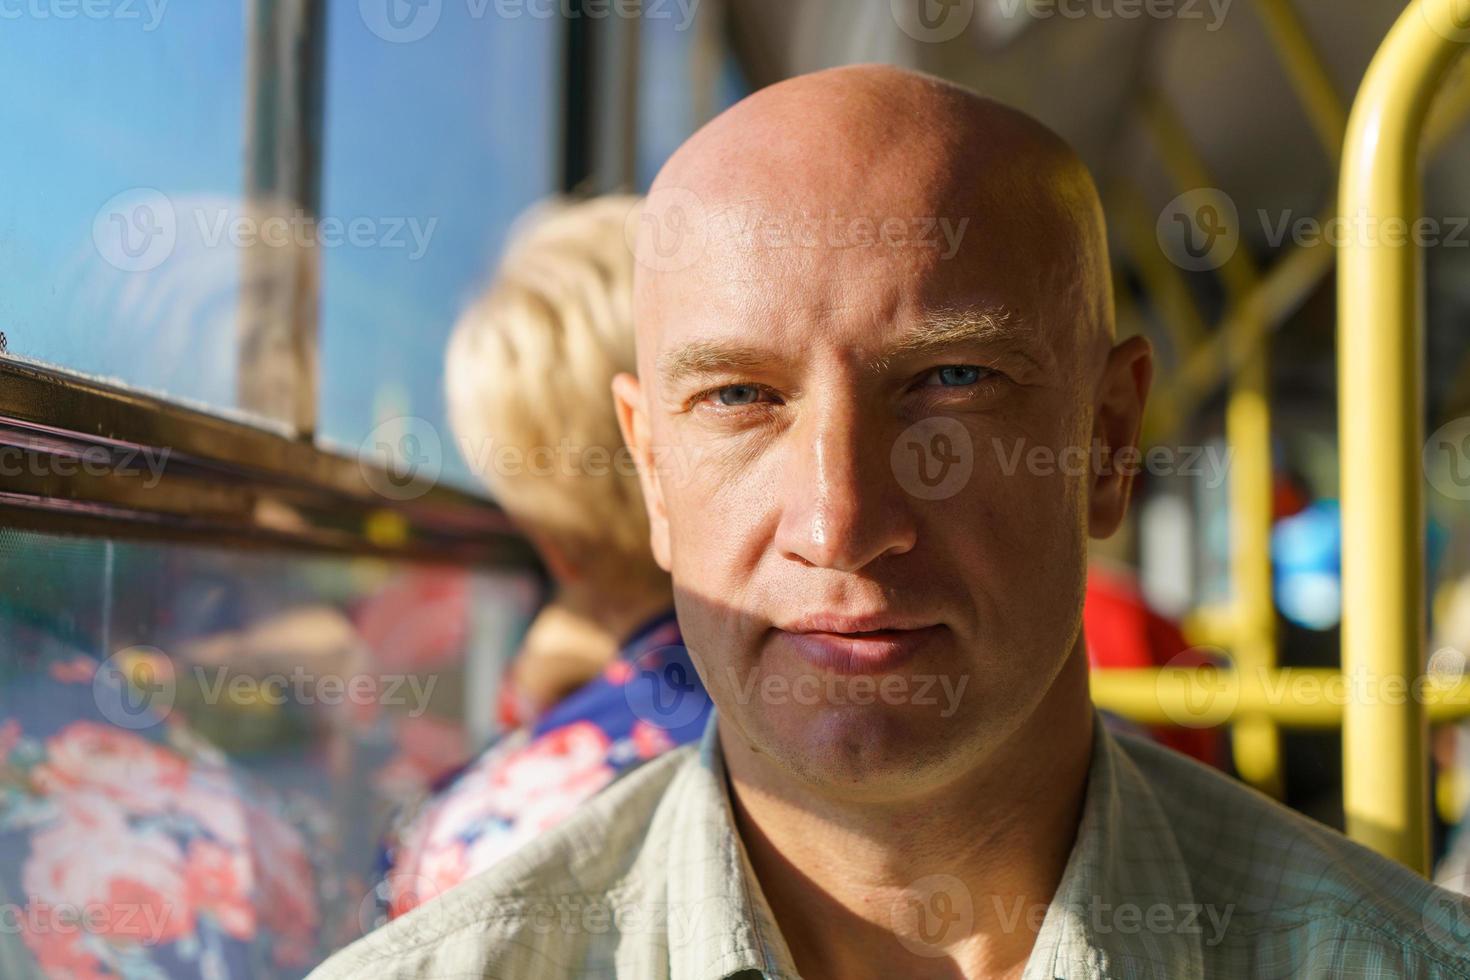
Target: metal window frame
280 288
74 457
600 99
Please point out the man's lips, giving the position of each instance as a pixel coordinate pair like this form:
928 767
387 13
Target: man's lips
846 623
857 644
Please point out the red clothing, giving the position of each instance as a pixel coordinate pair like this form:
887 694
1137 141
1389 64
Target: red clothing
1122 631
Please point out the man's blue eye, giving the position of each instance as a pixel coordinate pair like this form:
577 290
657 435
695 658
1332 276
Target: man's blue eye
738 395
956 375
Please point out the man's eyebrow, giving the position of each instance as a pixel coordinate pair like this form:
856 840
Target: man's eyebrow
704 357
944 330
941 331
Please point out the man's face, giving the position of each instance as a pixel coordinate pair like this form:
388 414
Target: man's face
863 489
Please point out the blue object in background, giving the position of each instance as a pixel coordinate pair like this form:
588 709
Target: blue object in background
1306 555
1306 552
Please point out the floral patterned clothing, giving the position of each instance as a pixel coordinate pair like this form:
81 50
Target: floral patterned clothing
646 702
131 849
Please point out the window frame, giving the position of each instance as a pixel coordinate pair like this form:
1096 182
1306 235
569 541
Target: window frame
71 447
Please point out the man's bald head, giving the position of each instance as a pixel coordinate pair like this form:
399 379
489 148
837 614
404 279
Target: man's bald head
821 162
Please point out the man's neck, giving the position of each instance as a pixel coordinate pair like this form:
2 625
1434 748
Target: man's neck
952 884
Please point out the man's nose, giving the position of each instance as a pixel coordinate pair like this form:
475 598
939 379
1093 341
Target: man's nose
841 505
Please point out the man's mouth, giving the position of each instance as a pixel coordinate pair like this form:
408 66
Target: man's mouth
873 644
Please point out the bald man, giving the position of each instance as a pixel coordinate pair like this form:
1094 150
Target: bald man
879 409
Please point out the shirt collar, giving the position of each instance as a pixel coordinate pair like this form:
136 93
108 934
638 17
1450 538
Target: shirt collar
1124 905
725 926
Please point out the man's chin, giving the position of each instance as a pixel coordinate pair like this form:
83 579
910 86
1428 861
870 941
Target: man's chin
872 751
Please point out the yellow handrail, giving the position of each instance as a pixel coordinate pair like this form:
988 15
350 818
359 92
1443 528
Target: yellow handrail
1283 288
1380 407
1307 72
1301 698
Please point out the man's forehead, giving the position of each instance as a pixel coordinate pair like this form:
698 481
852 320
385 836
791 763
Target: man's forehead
876 298
863 194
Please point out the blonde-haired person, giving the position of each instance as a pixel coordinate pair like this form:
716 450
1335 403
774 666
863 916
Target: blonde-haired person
603 682
528 375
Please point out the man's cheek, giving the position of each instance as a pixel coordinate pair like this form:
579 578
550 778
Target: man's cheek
1013 524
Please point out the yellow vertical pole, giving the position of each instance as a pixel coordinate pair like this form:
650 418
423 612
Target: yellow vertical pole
1380 407
1255 739
1308 75
1254 641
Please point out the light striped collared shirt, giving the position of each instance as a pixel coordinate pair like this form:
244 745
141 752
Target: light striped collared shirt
1177 872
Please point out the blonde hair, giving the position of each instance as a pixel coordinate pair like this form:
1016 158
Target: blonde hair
528 376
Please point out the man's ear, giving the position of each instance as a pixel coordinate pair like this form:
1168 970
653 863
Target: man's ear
1117 421
633 420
